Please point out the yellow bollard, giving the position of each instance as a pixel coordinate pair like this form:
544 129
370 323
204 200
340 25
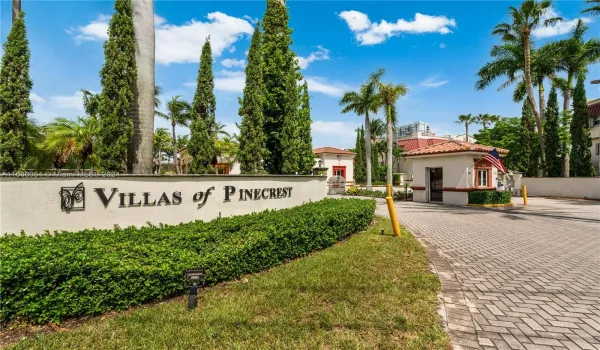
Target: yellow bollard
524 191
392 211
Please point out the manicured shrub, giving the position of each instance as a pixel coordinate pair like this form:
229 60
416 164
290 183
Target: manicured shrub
355 191
396 179
490 197
50 277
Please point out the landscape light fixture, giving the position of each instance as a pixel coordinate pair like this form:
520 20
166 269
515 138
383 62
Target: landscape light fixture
196 278
320 163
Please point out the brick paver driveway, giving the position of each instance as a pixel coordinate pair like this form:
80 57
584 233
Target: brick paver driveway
519 278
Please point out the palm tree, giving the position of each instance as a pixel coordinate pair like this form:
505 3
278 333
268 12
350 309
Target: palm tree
378 129
575 55
363 102
545 63
594 10
34 154
162 142
139 158
68 138
466 119
178 113
16 8
157 93
389 94
220 130
485 119
529 16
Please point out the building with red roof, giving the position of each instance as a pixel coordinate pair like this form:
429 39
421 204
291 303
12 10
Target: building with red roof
339 162
447 171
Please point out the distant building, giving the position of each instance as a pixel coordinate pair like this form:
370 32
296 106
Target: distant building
594 109
338 162
415 129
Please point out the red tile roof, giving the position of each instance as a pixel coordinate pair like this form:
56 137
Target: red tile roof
594 107
331 150
452 146
412 144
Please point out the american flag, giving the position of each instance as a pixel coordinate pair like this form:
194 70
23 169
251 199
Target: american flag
494 158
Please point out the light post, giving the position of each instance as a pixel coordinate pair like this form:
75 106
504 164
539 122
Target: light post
196 277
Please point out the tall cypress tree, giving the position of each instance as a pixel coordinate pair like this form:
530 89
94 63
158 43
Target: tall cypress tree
289 139
359 159
15 87
307 158
524 155
581 153
202 140
551 133
252 136
118 76
279 70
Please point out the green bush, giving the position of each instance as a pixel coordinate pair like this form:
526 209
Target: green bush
396 179
490 197
50 277
365 193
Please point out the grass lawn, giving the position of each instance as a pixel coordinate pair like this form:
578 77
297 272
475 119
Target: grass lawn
370 291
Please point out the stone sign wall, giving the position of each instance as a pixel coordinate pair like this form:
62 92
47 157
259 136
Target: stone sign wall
75 203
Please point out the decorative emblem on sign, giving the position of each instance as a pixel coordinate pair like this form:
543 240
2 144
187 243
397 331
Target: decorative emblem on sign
72 198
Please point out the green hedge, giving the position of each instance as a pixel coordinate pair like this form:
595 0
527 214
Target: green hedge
490 197
50 277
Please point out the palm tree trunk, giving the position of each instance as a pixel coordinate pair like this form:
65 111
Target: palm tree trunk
139 158
16 9
566 107
175 149
467 131
542 99
158 158
368 150
388 159
530 96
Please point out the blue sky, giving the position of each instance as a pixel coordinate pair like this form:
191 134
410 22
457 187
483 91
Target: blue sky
434 47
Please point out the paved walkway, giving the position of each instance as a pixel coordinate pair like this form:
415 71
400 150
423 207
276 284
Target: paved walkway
518 278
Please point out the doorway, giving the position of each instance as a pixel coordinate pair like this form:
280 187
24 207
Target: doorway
436 183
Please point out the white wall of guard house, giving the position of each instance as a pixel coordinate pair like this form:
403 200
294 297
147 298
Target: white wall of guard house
75 203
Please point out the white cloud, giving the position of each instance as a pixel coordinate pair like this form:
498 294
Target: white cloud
357 21
336 89
74 101
183 44
560 28
319 55
250 19
158 20
368 33
226 80
179 43
36 98
442 46
432 83
228 62
95 30
334 134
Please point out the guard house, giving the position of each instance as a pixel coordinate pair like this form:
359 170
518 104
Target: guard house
339 162
448 171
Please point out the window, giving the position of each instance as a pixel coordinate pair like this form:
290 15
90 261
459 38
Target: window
598 148
482 178
595 120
